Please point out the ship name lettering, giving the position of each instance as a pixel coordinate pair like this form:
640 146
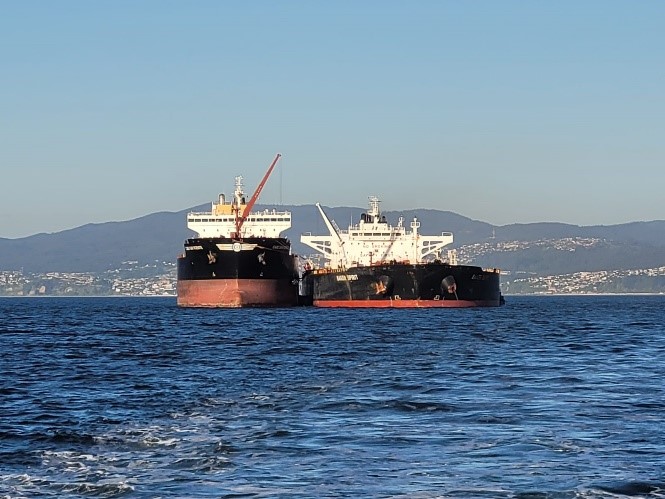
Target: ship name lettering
344 277
479 277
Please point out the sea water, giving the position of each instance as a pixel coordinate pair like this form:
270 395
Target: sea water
546 397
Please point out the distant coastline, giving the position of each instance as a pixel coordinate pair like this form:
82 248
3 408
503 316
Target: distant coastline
535 259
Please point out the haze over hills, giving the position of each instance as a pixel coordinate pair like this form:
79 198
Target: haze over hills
538 248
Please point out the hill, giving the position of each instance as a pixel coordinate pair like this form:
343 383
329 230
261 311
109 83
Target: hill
537 248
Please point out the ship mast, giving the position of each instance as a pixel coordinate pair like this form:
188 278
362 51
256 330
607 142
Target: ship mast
240 219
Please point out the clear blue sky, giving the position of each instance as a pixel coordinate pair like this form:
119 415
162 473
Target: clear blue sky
502 111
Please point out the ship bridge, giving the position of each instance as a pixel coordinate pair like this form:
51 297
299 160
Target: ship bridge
373 240
220 221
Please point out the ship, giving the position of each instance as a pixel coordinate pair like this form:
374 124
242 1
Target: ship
239 257
377 265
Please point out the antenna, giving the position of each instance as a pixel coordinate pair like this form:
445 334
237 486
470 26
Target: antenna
281 170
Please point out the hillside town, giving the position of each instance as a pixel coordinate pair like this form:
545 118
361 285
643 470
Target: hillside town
471 252
601 282
132 279
114 283
517 281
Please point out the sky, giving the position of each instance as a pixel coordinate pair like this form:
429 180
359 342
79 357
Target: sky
501 111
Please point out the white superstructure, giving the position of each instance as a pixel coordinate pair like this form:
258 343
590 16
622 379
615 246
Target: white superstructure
374 241
220 221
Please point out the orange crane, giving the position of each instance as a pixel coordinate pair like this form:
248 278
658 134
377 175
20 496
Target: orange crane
240 219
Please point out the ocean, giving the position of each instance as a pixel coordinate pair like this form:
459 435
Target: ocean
546 397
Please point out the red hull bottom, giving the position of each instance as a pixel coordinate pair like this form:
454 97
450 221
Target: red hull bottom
406 303
236 293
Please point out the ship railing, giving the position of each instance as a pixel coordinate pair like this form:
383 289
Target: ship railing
263 212
271 212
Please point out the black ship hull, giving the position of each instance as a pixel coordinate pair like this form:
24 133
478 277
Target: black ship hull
399 285
226 272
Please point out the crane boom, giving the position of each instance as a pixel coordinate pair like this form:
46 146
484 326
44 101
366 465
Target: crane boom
329 224
240 219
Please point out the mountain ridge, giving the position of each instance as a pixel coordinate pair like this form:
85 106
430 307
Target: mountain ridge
96 247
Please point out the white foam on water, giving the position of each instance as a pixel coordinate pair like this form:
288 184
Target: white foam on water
154 441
